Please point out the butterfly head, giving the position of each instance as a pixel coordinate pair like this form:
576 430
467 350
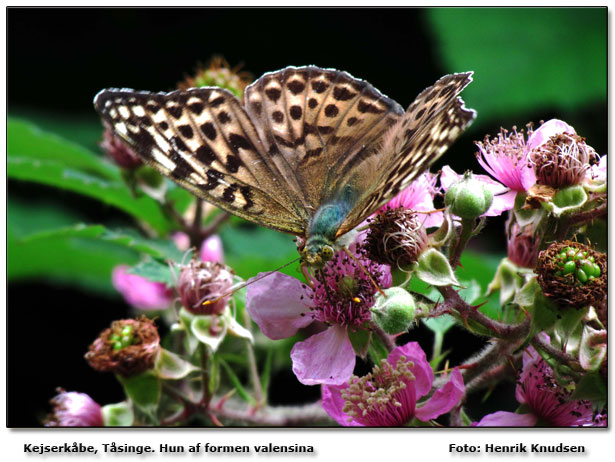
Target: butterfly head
317 251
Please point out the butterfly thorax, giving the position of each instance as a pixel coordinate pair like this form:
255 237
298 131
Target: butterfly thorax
322 230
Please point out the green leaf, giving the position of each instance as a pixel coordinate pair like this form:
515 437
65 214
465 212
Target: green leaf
360 340
154 271
71 260
252 249
157 248
591 387
568 323
441 324
27 140
112 192
144 390
537 52
118 415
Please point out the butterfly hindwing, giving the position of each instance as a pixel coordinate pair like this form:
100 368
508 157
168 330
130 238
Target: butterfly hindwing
204 140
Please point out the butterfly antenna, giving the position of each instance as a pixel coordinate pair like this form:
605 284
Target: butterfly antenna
232 291
364 270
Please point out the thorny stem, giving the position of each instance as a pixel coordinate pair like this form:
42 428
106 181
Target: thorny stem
453 301
494 375
589 215
287 416
455 419
560 356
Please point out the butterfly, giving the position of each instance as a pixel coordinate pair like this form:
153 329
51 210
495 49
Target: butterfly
311 152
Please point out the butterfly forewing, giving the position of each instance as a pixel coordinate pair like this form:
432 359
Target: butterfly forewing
204 140
310 118
429 126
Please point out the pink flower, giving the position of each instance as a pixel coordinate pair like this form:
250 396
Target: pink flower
549 403
505 158
502 200
547 130
72 409
211 249
419 197
388 396
597 172
140 292
341 299
522 246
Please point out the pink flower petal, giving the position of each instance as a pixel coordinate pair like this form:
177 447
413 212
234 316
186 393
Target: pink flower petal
507 419
501 203
275 304
443 399
211 249
140 292
448 176
421 370
550 128
333 404
325 358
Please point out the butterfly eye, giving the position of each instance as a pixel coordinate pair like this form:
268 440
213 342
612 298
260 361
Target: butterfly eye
327 253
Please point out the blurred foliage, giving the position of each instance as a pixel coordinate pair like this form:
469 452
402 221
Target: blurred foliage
525 58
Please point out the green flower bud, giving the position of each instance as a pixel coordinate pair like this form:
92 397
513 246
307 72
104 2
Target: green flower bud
395 312
468 198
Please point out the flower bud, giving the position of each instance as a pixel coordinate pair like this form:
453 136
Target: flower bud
127 348
572 273
119 152
219 74
73 409
211 249
468 198
396 237
203 281
395 312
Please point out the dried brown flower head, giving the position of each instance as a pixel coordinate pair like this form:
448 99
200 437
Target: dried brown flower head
396 237
128 347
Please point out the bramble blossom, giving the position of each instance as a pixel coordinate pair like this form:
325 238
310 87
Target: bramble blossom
341 299
388 396
549 403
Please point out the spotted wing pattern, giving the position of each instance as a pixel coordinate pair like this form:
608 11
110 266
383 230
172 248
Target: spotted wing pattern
311 118
204 140
307 136
429 126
